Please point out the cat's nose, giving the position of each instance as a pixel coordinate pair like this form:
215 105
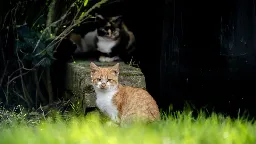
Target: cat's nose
103 85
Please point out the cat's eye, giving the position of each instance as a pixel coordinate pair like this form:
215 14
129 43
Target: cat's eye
109 80
98 79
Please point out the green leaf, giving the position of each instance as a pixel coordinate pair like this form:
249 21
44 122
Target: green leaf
85 3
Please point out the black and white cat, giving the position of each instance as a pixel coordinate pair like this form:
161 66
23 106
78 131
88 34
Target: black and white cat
111 39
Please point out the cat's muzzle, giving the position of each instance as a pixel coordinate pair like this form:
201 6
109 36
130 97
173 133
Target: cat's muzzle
103 86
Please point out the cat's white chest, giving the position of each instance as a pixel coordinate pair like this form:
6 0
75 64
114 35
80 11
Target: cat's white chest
105 45
105 104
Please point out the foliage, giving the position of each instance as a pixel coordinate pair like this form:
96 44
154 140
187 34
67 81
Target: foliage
33 45
19 116
179 128
29 35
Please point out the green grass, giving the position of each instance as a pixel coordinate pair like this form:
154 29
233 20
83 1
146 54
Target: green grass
181 128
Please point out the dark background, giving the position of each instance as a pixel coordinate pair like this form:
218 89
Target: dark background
202 52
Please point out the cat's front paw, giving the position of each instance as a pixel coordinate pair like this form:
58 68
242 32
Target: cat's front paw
104 59
108 59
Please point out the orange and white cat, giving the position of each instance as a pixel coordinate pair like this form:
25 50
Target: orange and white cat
123 104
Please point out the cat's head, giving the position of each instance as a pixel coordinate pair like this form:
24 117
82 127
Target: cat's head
106 78
109 27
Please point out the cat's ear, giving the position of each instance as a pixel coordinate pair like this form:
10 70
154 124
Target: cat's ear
93 67
99 18
117 20
115 69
